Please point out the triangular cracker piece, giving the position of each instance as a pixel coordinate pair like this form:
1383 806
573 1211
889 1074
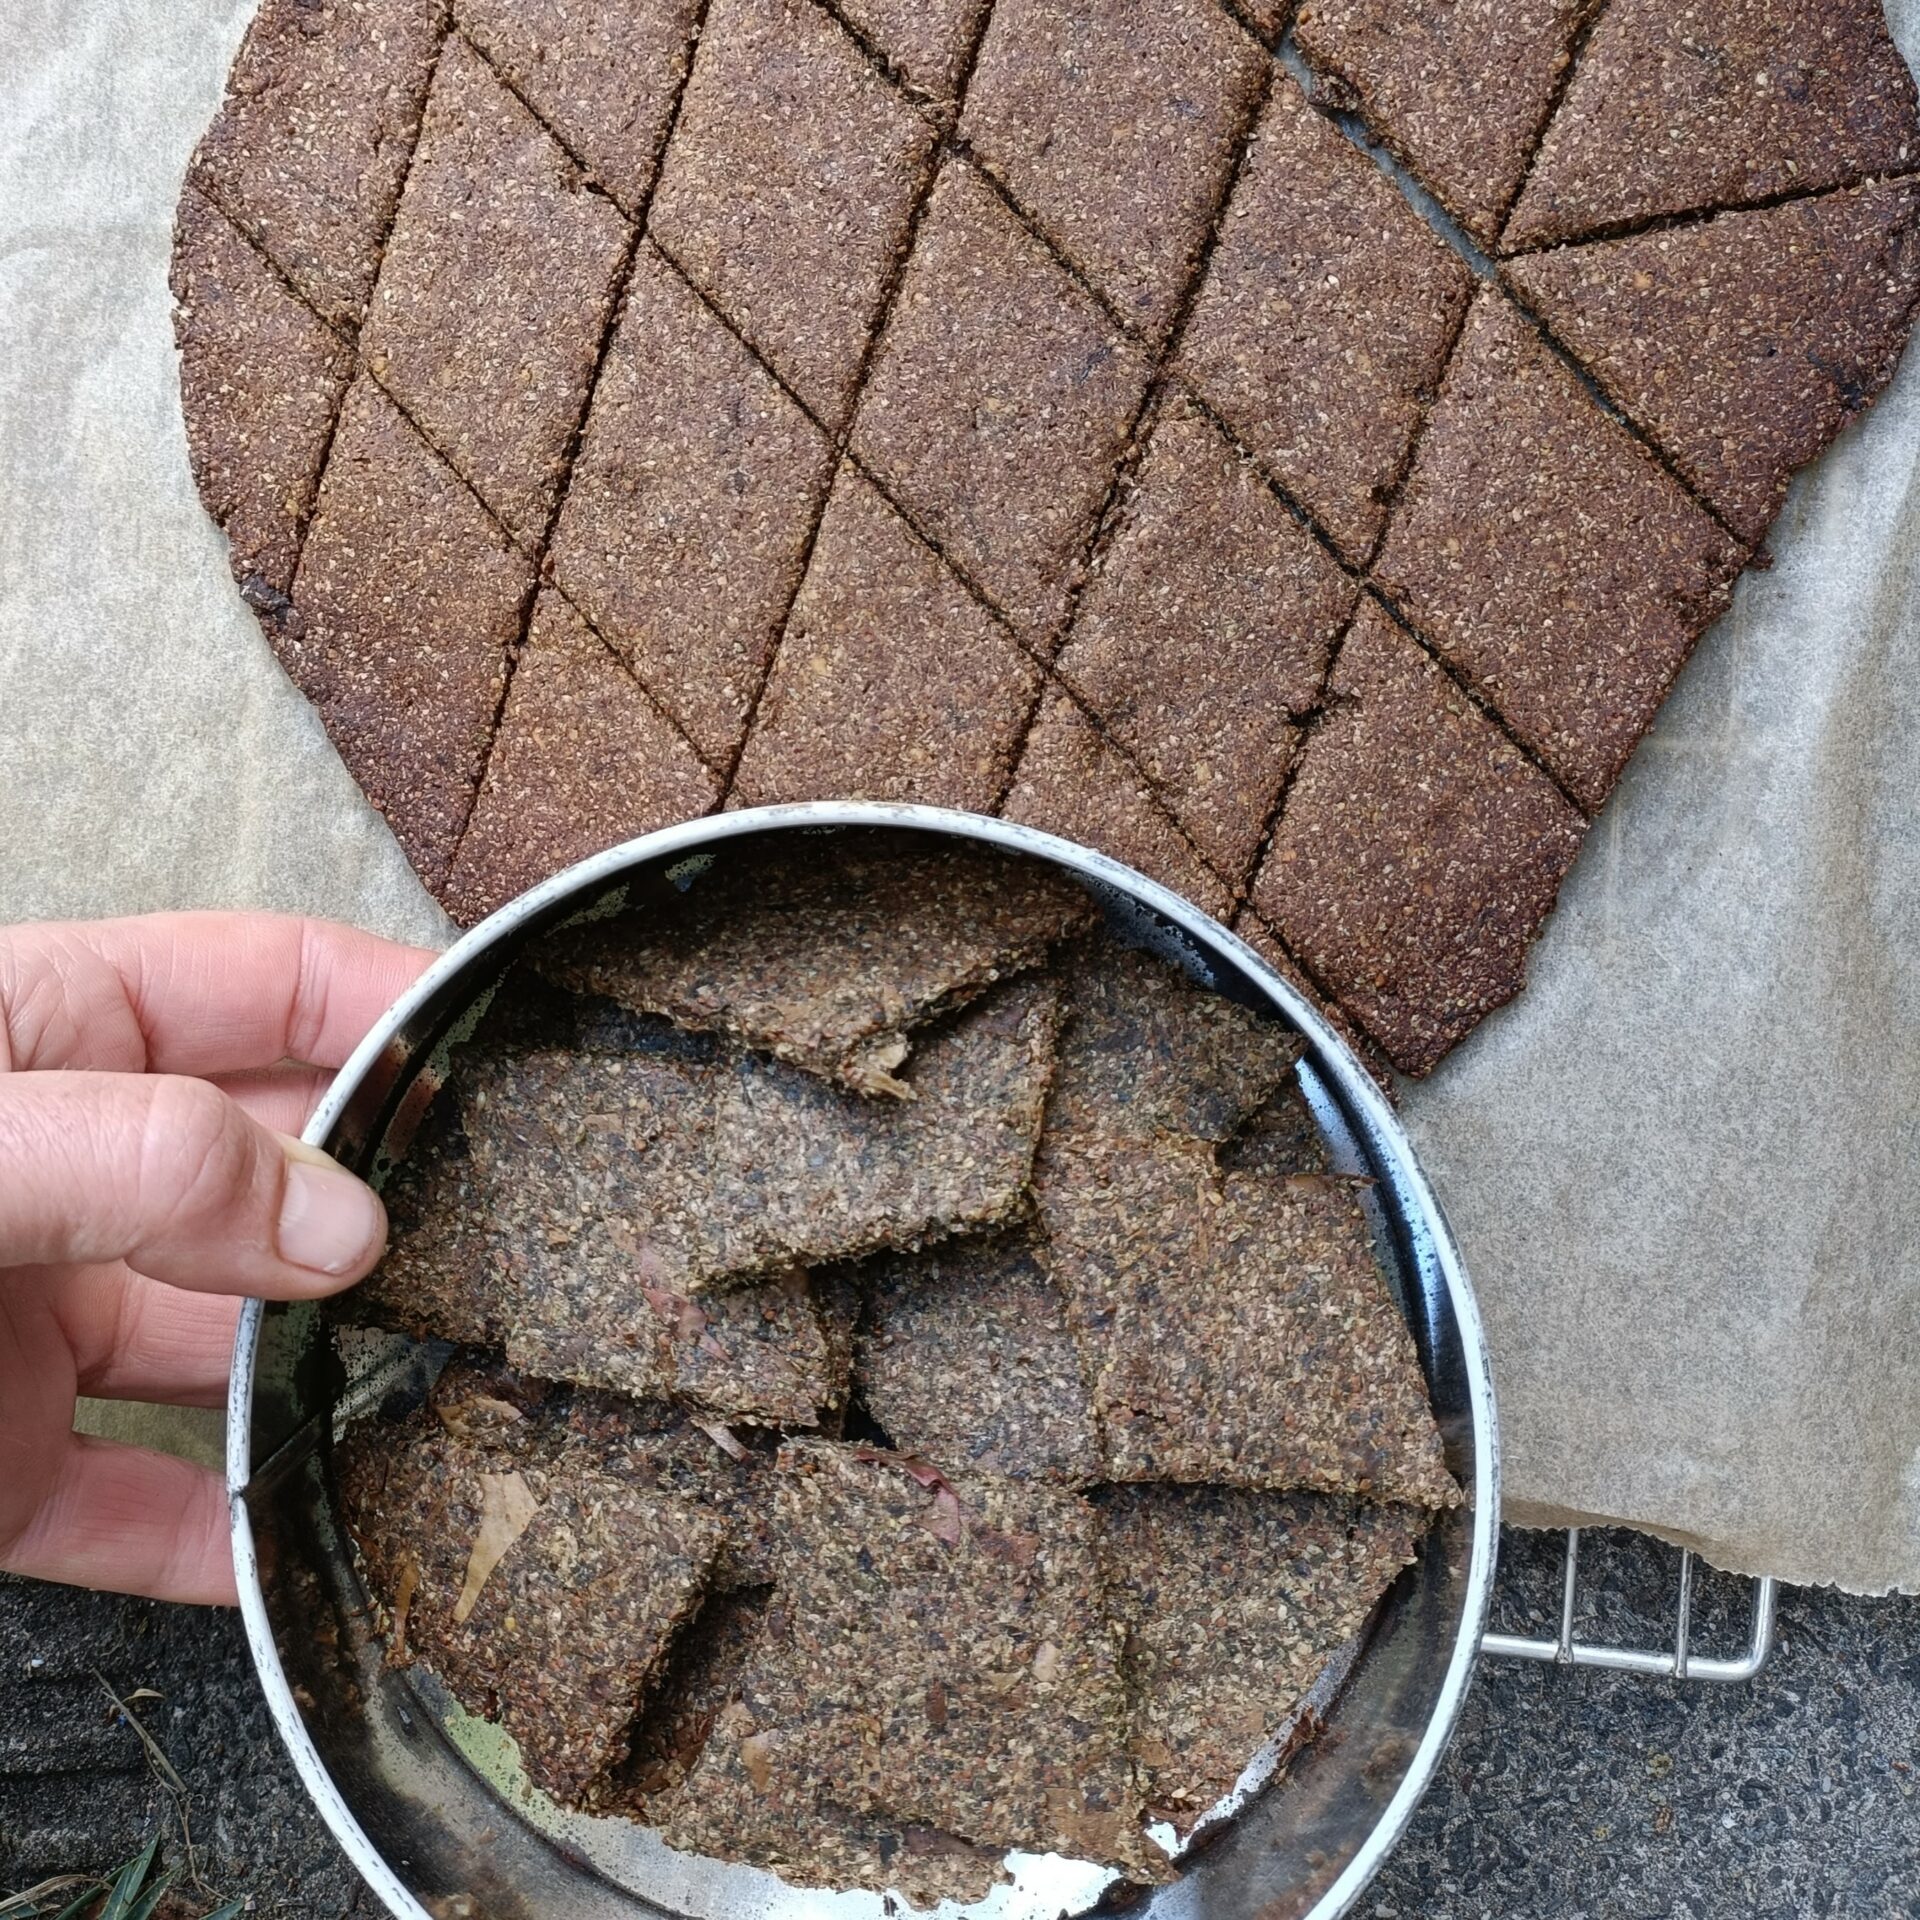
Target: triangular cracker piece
1682 108
1146 1049
1459 93
965 1357
1234 1603
544 1596
1743 344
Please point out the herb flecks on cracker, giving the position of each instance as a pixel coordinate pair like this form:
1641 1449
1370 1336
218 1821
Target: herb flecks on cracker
965 1357
1237 1329
632 1218
967 1678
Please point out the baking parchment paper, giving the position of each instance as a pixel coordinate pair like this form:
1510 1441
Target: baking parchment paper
1685 1166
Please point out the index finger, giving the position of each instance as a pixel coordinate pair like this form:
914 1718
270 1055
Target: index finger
193 993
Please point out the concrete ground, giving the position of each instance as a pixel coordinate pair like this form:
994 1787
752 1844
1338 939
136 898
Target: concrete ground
1566 1796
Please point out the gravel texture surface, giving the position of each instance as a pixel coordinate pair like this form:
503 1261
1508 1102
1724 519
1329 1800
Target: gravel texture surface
1576 1796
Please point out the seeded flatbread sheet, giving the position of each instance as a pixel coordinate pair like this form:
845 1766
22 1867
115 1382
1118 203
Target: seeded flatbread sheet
1233 1603
1237 1329
965 1357
947 1659
1145 1049
857 460
580 1200
829 954
543 1597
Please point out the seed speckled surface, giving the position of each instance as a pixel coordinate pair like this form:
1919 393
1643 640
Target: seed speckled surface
572 1621
1147 1050
495 288
965 1358
938 1640
1683 105
1511 554
1744 343
831 972
1233 1604
1458 89
1410 813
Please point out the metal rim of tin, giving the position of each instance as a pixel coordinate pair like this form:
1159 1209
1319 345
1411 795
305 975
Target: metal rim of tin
1363 1104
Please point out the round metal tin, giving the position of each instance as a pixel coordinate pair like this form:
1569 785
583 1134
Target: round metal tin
426 1803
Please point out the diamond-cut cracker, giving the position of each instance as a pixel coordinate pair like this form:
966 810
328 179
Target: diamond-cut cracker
827 957
573 1620
1234 1603
1237 1329
938 1641
1146 1049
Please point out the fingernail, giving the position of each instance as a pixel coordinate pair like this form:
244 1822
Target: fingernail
329 1221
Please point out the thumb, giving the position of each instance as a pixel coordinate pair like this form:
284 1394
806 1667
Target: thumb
171 1176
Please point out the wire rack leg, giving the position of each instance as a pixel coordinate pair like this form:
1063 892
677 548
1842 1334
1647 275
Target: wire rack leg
1681 1663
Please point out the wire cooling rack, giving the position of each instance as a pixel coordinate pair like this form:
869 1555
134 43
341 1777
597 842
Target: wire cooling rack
1680 1662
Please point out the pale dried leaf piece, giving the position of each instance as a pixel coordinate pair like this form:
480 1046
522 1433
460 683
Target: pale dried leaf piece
405 1588
561 1637
828 955
722 1437
507 1507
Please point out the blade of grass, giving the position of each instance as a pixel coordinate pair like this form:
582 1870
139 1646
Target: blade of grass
29 1904
231 1911
132 1877
74 1909
151 1898
161 1764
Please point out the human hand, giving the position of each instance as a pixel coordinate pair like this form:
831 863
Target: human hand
151 1073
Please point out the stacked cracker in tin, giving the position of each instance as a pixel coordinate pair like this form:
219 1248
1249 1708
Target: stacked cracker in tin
922 1395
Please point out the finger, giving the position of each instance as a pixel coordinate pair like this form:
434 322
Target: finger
168 1174
193 992
282 1098
130 1521
132 1338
